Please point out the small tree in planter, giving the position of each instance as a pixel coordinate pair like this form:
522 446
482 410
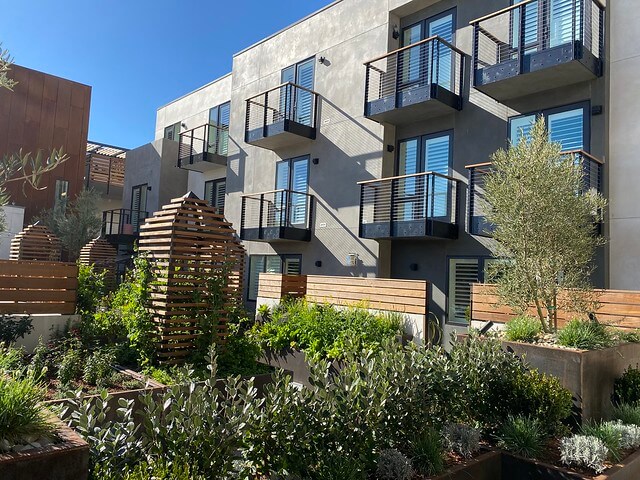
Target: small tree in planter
544 228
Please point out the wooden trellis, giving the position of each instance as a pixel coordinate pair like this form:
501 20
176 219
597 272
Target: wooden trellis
36 243
99 253
191 248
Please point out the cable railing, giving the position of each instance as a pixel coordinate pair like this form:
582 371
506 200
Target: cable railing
286 102
513 37
277 209
122 221
591 167
195 144
389 202
430 62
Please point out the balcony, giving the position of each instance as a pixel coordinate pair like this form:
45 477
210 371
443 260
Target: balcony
538 45
279 215
478 206
203 148
422 205
419 81
104 169
283 116
121 224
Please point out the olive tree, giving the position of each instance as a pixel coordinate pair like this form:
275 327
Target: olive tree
545 228
24 167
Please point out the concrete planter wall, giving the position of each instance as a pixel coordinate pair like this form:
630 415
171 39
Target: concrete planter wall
68 460
589 374
294 361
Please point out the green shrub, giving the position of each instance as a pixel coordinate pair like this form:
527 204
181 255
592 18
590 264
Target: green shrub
160 470
427 453
585 335
523 436
608 433
70 367
628 414
461 439
632 336
393 465
12 328
523 329
91 289
11 359
626 389
20 412
584 451
98 367
322 330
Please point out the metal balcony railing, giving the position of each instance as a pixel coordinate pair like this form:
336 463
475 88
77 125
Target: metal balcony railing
515 38
422 204
122 221
201 143
592 168
285 103
413 74
278 211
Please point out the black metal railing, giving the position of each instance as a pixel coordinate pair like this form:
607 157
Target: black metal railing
514 34
432 61
196 143
389 202
591 166
277 209
288 101
122 221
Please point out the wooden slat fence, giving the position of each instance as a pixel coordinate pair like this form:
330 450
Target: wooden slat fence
403 296
28 287
618 308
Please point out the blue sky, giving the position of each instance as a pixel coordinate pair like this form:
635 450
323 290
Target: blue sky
138 54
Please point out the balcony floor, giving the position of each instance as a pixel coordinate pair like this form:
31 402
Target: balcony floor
276 234
409 229
280 135
545 70
413 104
203 162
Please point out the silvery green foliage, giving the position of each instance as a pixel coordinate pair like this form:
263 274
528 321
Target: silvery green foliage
462 439
393 465
584 451
629 434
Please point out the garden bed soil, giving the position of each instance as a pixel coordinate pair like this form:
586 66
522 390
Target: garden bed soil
588 374
64 460
499 465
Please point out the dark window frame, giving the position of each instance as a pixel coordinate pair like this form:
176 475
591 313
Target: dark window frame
421 139
482 259
213 183
282 256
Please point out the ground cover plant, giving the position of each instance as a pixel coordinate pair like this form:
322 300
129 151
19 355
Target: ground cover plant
324 331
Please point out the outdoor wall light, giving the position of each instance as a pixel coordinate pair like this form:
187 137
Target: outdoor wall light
390 148
318 263
413 267
322 60
315 161
149 187
396 32
184 125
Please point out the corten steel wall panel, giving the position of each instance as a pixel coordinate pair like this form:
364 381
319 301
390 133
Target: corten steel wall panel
45 112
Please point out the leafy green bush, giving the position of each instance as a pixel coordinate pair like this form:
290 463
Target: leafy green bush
523 436
70 367
97 367
626 389
322 330
92 289
627 414
523 329
12 328
608 434
20 412
585 335
427 453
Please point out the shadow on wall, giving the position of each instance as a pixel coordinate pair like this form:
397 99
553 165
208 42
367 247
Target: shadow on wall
236 167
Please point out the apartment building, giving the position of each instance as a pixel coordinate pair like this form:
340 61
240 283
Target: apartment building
354 141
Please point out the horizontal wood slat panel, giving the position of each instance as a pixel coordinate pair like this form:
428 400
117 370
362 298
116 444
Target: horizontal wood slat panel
617 308
37 287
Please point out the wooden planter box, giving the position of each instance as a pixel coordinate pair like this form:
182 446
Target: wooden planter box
588 374
68 460
498 465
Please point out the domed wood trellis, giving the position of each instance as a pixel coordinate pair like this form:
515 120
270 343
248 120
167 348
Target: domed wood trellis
99 253
197 265
37 243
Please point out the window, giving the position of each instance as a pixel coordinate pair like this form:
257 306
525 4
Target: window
287 264
415 62
62 195
462 273
172 132
297 105
138 204
429 153
219 137
292 176
214 192
568 126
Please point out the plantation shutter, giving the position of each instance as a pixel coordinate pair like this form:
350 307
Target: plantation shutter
567 128
521 128
560 16
292 266
437 152
300 186
304 99
410 59
214 192
462 273
260 264
443 27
